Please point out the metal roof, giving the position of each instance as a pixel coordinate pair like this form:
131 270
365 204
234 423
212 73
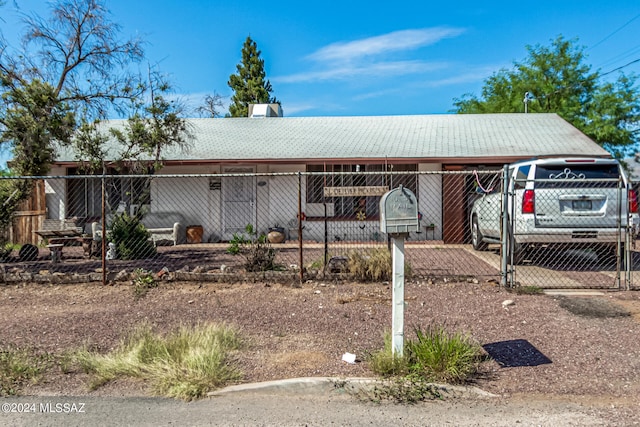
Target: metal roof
469 138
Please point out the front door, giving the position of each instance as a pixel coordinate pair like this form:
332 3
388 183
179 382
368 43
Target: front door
238 201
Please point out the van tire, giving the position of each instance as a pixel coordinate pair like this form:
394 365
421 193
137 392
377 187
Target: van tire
476 236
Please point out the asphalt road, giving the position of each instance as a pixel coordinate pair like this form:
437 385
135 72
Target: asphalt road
299 407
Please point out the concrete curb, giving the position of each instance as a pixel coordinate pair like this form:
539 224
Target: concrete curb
324 385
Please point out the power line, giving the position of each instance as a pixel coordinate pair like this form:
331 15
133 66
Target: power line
614 32
620 57
621 67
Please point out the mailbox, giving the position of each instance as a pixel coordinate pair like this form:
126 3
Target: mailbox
399 211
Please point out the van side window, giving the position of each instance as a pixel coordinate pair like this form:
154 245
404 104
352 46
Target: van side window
521 177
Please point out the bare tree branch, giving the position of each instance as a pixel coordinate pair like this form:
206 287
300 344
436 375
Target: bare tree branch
79 52
212 107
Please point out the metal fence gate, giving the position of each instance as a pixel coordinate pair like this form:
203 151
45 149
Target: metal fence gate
582 250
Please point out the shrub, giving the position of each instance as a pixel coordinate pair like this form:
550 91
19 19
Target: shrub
442 356
131 237
255 248
434 356
143 280
374 265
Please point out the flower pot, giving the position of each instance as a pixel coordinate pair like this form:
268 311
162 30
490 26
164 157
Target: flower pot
276 235
194 233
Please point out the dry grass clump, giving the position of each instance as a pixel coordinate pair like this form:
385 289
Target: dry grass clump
185 364
373 266
19 367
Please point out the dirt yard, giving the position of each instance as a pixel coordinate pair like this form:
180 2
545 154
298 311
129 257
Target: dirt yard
579 348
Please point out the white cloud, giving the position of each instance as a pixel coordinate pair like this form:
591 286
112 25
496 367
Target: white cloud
392 42
368 57
379 69
377 94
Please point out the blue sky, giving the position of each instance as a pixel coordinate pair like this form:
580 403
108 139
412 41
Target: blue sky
361 58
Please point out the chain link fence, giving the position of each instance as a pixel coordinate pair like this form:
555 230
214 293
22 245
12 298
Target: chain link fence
296 226
561 232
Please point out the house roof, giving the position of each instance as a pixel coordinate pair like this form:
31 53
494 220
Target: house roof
470 138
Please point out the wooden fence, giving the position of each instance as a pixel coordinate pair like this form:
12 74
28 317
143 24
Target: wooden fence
29 216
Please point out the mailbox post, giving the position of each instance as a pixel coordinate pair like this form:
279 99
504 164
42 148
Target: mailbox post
398 217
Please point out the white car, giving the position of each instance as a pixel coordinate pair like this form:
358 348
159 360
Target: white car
558 201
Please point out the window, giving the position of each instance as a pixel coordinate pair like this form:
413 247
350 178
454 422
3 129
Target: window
522 173
568 176
357 201
84 195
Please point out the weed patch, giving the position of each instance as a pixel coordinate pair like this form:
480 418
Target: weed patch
258 253
435 355
405 389
184 364
441 356
373 266
528 290
143 280
19 367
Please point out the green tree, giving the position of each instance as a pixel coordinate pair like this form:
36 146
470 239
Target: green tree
249 84
34 121
71 71
68 66
556 79
68 69
155 124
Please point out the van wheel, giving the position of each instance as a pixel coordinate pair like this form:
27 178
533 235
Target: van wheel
476 236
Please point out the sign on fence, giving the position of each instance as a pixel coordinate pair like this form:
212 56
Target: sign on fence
359 191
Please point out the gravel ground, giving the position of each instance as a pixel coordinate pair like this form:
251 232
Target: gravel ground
573 348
